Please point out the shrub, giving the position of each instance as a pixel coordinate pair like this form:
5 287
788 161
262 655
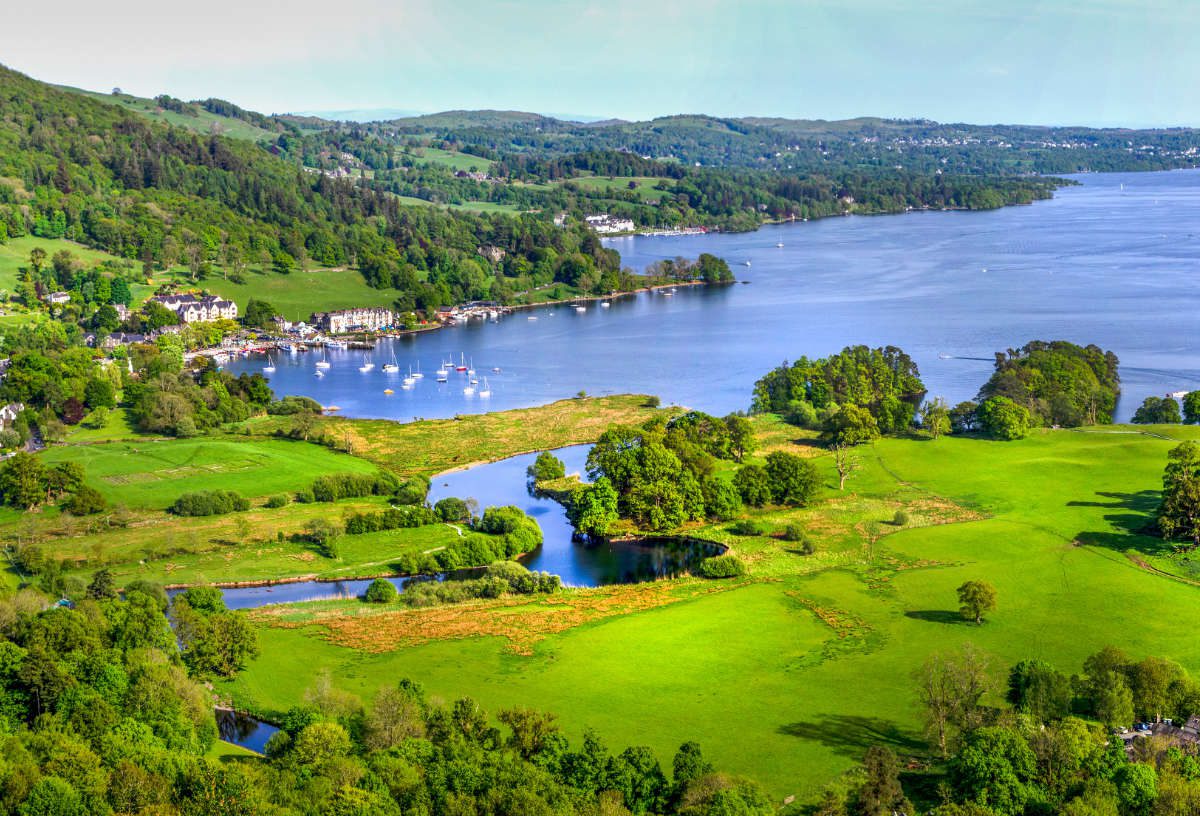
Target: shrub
547 467
900 518
753 484
652 402
521 534
412 491
305 497
721 499
279 500
209 503
294 405
336 486
793 480
85 501
324 534
149 588
722 566
394 518
504 577
380 591
794 532
745 527
452 508
1001 418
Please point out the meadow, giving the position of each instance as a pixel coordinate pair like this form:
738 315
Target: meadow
448 158
789 675
435 445
608 184
197 120
151 474
298 295
141 476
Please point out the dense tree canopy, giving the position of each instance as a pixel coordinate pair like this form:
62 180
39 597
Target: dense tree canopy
884 381
1059 383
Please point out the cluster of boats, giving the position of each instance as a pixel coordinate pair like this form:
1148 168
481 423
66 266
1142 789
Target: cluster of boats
473 386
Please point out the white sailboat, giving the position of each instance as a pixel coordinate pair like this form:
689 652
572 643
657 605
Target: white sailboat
367 364
409 380
323 362
486 391
468 390
392 366
417 375
269 368
471 370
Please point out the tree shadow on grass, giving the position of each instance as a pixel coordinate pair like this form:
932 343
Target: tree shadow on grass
947 616
850 735
1134 519
1139 508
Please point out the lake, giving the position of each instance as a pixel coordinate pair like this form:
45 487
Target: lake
1113 261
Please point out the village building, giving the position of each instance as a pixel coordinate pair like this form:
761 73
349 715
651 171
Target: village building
8 414
58 298
607 224
122 339
192 309
348 320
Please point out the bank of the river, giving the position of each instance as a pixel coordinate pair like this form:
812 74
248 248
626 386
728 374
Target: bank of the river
267 545
1099 263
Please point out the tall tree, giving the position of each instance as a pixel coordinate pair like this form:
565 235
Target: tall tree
976 599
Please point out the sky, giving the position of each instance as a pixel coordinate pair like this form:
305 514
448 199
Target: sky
1093 62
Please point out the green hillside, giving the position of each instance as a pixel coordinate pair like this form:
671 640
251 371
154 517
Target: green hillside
193 117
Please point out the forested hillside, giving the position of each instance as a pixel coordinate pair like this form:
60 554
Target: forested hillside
80 168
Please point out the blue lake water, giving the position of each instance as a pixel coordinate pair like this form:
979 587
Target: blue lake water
1115 261
577 563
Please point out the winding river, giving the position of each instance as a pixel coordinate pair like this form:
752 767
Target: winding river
1113 261
496 484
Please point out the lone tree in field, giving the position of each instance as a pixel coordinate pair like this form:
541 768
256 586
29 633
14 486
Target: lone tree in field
1179 513
976 598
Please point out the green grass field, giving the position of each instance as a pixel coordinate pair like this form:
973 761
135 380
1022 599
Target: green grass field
202 122
301 293
604 184
790 677
15 254
466 206
151 474
432 446
142 475
450 158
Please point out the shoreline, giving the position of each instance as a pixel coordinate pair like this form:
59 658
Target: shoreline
614 295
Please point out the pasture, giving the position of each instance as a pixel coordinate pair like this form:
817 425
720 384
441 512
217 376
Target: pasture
643 189
789 675
301 293
448 158
150 474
